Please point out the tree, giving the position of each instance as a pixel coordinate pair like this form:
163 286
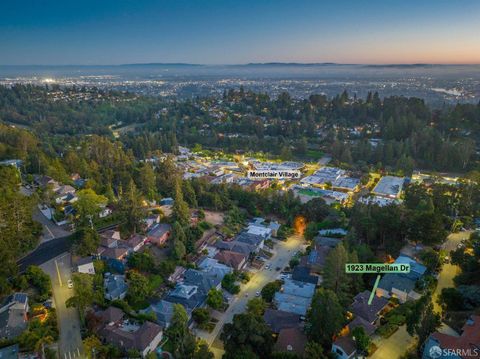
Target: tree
40 280
182 339
180 210
431 259
228 283
92 346
256 306
361 339
87 241
426 227
202 351
131 207
215 298
452 299
178 249
422 320
201 316
315 210
138 288
88 206
142 261
269 290
146 181
334 275
83 293
314 350
247 336
326 317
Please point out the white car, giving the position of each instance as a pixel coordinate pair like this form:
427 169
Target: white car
257 294
69 284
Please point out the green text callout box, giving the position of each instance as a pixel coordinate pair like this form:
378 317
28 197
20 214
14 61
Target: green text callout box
377 268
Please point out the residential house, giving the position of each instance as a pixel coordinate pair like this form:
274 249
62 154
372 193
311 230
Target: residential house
135 242
115 286
110 238
85 265
294 297
235 260
64 194
159 233
105 211
237 247
111 315
213 267
163 311
291 340
259 230
274 226
116 254
278 319
467 345
204 280
417 270
177 275
344 348
14 316
366 315
302 274
166 201
398 286
252 239
152 220
126 335
333 232
46 181
402 285
10 352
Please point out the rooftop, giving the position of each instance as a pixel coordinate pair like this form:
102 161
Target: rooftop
389 186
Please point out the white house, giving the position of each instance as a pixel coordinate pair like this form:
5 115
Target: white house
85 265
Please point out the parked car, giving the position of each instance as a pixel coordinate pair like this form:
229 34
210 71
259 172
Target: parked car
69 284
257 294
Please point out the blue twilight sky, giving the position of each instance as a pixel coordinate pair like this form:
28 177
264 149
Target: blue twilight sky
242 31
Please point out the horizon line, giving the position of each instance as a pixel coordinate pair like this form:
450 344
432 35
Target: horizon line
269 63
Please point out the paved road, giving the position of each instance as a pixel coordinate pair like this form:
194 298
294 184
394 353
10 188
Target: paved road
45 252
284 250
449 271
70 341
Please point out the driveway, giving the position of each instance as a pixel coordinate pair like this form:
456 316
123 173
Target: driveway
70 341
394 346
284 250
50 229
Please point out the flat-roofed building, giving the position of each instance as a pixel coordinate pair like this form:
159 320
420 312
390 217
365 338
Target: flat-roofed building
389 186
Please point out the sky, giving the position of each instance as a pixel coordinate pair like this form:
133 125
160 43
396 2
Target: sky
100 32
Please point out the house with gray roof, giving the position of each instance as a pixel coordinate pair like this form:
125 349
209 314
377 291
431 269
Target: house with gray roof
163 311
10 352
115 286
398 286
294 297
366 316
278 319
13 316
402 285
